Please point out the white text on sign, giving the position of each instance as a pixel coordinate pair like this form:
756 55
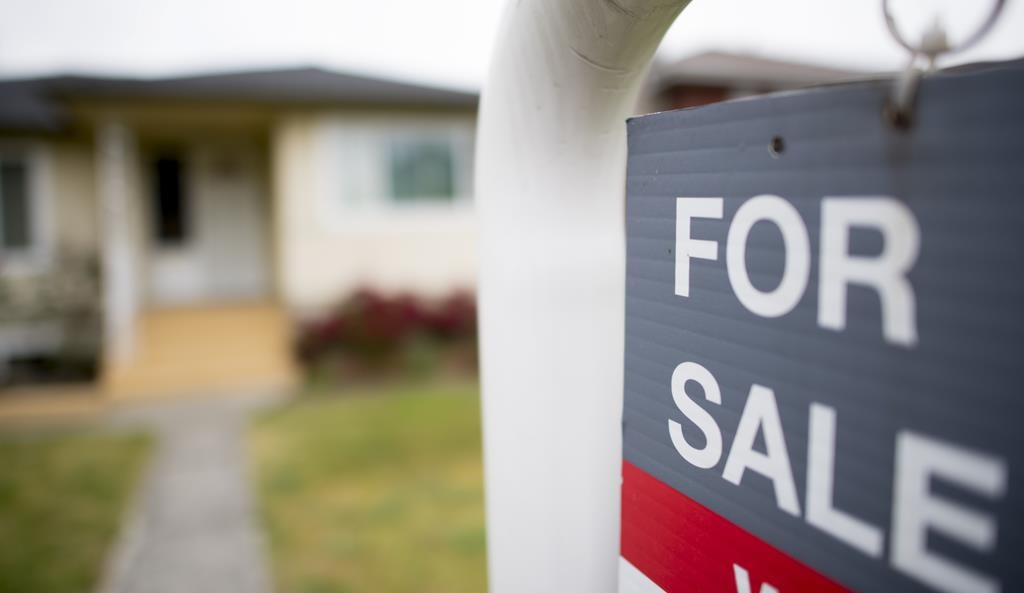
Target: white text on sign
917 511
885 273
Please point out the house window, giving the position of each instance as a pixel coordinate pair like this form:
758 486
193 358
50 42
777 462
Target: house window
422 169
384 167
170 208
15 206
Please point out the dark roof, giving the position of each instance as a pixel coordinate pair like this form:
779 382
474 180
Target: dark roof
23 107
748 72
35 104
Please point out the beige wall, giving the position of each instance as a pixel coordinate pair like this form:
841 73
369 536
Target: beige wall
326 248
75 197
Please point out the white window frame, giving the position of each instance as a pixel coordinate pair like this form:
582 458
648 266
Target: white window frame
368 140
35 258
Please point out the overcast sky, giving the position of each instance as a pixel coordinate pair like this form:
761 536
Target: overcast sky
445 42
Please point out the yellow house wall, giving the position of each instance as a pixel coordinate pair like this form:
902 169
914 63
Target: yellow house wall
325 253
75 197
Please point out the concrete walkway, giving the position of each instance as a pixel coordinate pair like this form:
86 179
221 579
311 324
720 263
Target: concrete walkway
193 529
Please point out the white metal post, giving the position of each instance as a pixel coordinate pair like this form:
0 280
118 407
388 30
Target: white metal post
550 179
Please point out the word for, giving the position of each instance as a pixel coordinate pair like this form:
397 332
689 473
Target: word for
886 272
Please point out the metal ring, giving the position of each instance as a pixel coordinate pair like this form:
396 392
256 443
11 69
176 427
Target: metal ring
990 21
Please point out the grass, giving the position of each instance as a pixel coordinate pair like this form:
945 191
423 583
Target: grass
376 492
61 502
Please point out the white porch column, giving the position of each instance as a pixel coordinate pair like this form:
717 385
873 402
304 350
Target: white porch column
550 179
115 154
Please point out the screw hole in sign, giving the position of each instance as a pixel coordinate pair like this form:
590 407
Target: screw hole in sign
776 146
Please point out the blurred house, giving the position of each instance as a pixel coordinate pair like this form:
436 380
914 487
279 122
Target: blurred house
188 221
716 76
172 230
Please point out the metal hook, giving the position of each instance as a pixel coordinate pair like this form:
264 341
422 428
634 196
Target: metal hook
933 43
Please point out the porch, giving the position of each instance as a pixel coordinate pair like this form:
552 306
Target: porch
189 298
204 349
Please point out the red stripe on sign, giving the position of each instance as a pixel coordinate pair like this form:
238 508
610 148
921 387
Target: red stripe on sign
686 548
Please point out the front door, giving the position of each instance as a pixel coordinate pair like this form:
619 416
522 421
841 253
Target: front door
209 221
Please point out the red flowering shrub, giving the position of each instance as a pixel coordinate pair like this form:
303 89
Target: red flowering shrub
454 318
373 332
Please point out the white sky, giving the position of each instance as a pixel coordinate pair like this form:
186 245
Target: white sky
440 41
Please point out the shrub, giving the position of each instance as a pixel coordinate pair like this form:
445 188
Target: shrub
371 333
65 301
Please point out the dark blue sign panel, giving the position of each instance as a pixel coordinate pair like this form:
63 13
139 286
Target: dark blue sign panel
824 339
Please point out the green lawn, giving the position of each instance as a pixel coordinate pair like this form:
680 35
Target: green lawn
61 501
378 491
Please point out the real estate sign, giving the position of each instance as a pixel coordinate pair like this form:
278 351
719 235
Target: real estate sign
824 386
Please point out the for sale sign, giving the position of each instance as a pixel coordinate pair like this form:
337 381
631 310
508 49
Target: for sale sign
824 385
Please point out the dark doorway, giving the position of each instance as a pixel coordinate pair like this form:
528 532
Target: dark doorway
170 208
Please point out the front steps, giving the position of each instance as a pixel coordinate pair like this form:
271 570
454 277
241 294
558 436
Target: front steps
206 349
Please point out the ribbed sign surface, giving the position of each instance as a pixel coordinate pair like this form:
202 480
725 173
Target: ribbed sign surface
824 385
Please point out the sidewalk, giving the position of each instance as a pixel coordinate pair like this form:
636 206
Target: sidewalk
194 527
